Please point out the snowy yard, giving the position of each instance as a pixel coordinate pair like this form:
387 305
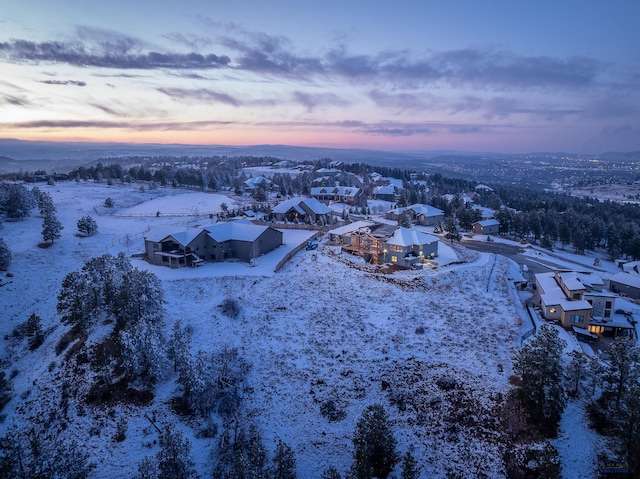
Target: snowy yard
433 346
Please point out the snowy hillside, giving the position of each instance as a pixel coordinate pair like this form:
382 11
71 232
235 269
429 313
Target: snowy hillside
433 346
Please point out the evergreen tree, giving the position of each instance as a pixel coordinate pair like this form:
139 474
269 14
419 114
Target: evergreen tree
87 226
452 228
5 390
374 445
45 203
34 331
140 297
410 469
622 373
5 256
574 372
16 200
174 458
73 302
539 365
403 220
51 227
142 353
284 462
147 469
331 473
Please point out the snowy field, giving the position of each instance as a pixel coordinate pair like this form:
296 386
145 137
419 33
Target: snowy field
433 346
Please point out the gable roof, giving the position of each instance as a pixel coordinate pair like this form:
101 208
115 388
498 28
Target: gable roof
485 223
335 190
235 230
312 203
419 209
409 237
180 236
256 181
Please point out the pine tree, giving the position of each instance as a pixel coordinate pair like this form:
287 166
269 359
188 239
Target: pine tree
623 370
284 462
452 228
87 226
5 256
174 458
142 353
45 202
5 390
374 445
51 227
403 220
16 200
539 365
575 371
34 331
331 473
410 469
140 297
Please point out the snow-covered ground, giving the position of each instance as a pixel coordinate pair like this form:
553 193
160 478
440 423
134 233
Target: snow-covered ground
434 346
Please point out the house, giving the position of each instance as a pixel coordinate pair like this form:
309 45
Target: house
302 210
384 193
241 240
258 182
626 284
486 227
579 302
336 235
383 243
424 215
350 195
560 296
408 246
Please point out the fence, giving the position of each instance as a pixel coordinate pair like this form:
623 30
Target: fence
291 254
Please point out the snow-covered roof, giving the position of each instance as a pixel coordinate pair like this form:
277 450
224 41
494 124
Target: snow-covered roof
384 190
409 237
185 237
181 236
335 190
628 279
571 281
256 181
485 223
483 187
311 203
351 227
632 267
419 209
235 230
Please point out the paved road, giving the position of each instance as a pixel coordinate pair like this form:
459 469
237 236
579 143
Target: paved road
513 252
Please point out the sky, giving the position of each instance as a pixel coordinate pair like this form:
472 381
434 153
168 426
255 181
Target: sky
464 75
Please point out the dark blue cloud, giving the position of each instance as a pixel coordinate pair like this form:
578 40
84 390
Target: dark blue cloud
64 82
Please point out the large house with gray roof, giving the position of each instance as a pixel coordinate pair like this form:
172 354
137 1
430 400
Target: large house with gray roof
302 210
420 214
239 240
350 195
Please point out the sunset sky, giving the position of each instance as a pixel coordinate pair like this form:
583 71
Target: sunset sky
477 75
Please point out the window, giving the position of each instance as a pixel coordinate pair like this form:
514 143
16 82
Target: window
608 304
577 318
576 296
596 329
607 313
394 259
552 310
395 248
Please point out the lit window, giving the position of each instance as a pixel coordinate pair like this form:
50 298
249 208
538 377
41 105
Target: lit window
394 259
552 310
